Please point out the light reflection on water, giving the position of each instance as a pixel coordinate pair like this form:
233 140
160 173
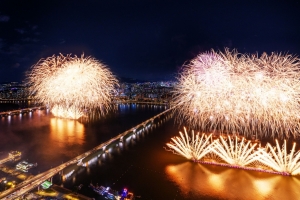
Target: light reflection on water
226 183
49 141
65 131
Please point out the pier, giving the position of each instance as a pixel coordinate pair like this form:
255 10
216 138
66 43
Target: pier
13 155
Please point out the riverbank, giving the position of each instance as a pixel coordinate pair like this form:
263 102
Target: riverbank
56 192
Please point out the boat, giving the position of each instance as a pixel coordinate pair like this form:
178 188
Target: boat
126 195
25 166
109 193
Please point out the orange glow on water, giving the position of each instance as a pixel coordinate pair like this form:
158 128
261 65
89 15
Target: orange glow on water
66 131
223 183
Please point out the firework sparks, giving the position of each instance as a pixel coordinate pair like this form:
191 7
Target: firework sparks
235 93
279 160
237 152
192 148
70 112
72 85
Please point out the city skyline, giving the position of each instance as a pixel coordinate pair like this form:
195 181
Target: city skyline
148 40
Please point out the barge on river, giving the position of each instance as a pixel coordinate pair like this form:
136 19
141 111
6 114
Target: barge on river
109 193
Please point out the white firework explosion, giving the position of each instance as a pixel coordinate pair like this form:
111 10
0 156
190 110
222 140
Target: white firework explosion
70 84
247 94
237 152
193 148
279 159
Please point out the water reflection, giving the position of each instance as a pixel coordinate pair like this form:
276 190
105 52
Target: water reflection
66 132
9 119
225 183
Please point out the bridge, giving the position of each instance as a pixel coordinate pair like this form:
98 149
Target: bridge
28 110
21 111
15 100
27 185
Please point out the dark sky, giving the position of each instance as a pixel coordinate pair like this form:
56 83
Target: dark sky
142 39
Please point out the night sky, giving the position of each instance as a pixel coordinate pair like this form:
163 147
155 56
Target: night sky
141 39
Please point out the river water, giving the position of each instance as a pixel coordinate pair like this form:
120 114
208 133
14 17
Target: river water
141 165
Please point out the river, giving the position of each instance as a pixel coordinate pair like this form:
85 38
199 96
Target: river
142 165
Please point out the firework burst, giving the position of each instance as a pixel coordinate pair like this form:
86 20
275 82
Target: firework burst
72 85
237 152
193 148
245 94
279 159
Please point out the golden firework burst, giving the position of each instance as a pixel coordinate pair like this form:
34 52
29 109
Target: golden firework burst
237 93
72 85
